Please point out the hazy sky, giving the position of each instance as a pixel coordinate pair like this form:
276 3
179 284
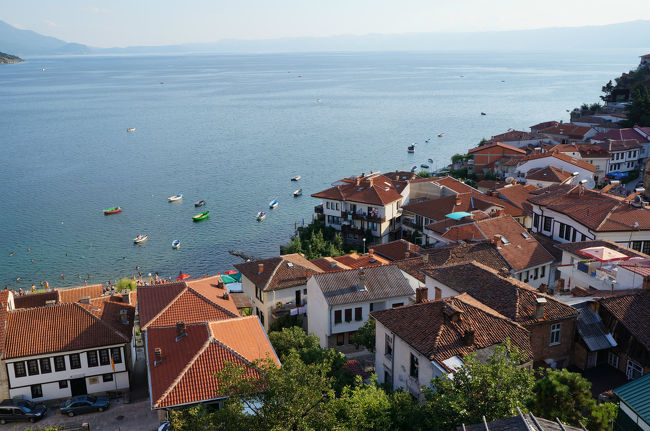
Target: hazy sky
162 22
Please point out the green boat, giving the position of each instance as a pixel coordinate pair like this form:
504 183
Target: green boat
201 216
113 210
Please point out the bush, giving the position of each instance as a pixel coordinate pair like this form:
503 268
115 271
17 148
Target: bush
126 284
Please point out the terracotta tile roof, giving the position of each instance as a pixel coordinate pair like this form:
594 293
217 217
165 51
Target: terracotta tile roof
109 308
507 295
454 184
592 151
566 129
375 189
355 368
482 148
35 300
620 135
186 374
444 225
208 288
72 294
4 309
598 211
514 135
633 312
381 282
437 209
152 299
549 245
241 300
60 328
574 247
428 328
517 195
620 145
490 184
544 125
395 250
549 174
639 266
349 261
563 157
464 232
279 272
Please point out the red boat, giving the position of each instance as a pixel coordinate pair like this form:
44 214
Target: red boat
114 210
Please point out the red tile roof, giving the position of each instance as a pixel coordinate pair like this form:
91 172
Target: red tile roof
152 299
574 247
517 195
620 135
437 209
374 189
280 272
4 309
444 225
639 266
620 145
544 125
72 294
496 144
514 135
566 129
633 312
349 261
36 299
592 151
396 250
454 184
428 328
110 309
208 288
563 157
60 328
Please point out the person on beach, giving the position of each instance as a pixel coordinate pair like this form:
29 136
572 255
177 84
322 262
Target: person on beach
20 291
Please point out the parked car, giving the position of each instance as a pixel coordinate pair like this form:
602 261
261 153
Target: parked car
84 404
21 410
164 426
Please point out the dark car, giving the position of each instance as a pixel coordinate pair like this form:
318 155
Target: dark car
21 410
84 404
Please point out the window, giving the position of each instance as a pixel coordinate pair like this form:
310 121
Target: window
116 353
414 366
612 359
398 304
92 358
388 346
561 233
337 316
555 334
337 206
634 370
32 367
45 365
340 339
584 238
542 271
358 314
262 317
536 221
646 247
107 378
439 292
104 358
327 205
37 391
63 384
348 315
526 276
372 307
548 221
19 369
59 363
636 245
536 274
75 361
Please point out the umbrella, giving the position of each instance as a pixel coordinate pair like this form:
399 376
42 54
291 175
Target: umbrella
227 279
603 254
182 276
230 272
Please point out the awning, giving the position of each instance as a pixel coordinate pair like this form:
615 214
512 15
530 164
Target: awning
232 278
617 174
592 330
458 215
603 254
182 276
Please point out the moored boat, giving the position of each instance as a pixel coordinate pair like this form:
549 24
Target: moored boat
413 168
113 210
273 204
411 148
175 198
176 243
261 215
430 160
440 135
425 166
201 216
296 178
140 239
199 203
131 129
297 193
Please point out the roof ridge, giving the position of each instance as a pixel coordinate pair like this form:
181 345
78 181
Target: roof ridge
488 310
275 270
209 301
101 321
162 310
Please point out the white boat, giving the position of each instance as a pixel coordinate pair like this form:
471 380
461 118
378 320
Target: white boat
440 135
430 160
296 178
273 204
261 215
297 193
140 239
176 243
175 198
131 129
411 148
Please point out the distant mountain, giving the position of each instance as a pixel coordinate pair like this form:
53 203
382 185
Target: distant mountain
27 42
8 58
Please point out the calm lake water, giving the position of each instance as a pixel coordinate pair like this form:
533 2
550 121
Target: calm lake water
233 129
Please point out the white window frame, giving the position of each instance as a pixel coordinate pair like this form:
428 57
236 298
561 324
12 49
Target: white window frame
556 330
612 359
633 370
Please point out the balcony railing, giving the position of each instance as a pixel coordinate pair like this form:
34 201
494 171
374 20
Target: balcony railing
280 310
362 216
408 223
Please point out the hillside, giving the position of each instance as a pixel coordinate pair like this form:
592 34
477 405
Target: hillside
8 58
27 42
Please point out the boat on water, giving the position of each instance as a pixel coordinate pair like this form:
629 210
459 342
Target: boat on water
440 135
411 148
176 244
131 129
199 203
297 193
296 178
175 198
425 166
113 210
413 168
430 160
483 113
140 239
273 204
261 215
201 216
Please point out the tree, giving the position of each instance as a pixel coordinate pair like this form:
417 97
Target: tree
607 89
567 396
126 284
294 246
192 418
285 321
493 389
292 339
365 335
364 407
638 112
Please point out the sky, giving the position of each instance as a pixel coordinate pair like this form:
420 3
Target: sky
169 22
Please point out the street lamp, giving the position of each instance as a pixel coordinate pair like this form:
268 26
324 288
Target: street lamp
364 245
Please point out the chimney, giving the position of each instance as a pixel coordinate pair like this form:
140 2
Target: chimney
543 288
371 252
50 303
468 337
126 298
421 295
226 295
260 268
406 254
181 331
646 283
636 193
610 186
458 200
425 257
157 352
362 279
539 308
371 181
496 240
221 285
84 300
358 181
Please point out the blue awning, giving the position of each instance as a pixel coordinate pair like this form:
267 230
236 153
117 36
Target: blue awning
458 215
617 174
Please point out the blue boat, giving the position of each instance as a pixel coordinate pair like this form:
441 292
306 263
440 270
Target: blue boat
261 215
273 204
176 243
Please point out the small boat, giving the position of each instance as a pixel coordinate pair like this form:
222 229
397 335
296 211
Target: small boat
426 141
176 244
199 203
424 166
440 135
175 198
131 129
261 215
113 210
201 216
413 168
273 204
430 160
140 239
297 193
411 148
296 178
483 113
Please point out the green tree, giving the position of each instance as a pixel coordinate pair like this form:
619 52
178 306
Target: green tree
364 407
294 246
192 418
365 335
408 414
292 340
567 396
424 174
607 90
126 284
493 389
638 112
285 321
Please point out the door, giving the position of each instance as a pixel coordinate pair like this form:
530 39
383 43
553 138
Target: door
78 386
298 302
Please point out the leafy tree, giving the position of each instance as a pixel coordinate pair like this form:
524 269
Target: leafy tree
292 339
408 414
294 246
364 407
493 389
607 89
126 284
457 158
424 174
365 335
285 321
638 112
192 418
490 176
315 241
567 396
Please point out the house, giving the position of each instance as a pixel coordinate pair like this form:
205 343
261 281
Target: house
547 176
340 302
397 250
489 157
598 157
517 195
627 317
558 160
350 261
527 259
634 405
59 296
645 61
518 139
640 134
522 422
565 133
624 155
537 128
185 358
550 322
428 339
277 286
594 341
569 213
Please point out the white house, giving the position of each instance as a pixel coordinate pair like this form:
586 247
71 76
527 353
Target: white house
340 302
624 155
559 160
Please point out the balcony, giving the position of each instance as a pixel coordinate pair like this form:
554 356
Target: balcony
282 309
318 209
352 229
361 216
410 223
